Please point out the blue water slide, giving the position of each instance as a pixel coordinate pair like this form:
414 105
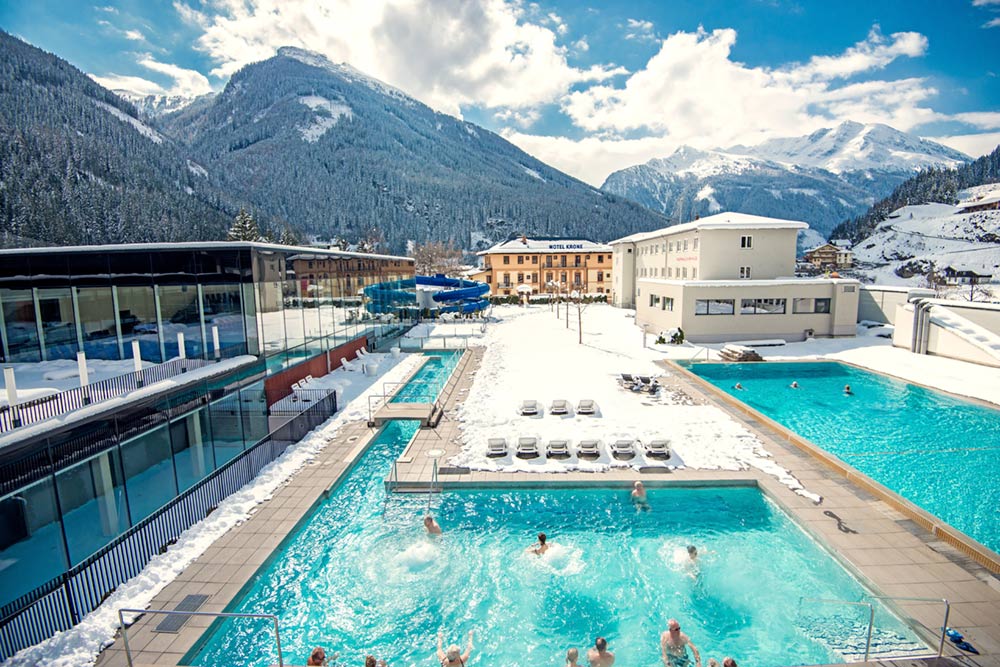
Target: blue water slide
465 296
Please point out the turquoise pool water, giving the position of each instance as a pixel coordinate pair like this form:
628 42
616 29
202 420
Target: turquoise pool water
360 576
430 378
940 452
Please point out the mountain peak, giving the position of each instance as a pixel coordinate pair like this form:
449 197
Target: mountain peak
343 70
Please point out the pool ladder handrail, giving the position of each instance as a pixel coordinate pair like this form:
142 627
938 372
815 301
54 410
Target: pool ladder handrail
944 623
871 615
217 614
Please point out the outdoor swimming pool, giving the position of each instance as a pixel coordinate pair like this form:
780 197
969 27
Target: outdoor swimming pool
938 451
360 577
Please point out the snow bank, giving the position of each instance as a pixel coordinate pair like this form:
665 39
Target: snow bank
81 644
532 355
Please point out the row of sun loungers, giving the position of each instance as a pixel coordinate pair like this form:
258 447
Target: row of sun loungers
531 407
528 447
639 383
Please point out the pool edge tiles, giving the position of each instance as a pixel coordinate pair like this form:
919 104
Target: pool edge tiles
933 524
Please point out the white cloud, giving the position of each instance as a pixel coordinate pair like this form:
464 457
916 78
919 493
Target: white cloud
984 3
109 9
581 45
447 53
992 23
186 82
982 120
639 30
975 145
134 35
873 53
522 119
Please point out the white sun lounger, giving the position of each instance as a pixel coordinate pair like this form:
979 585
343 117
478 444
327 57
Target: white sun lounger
496 447
528 407
559 407
350 365
623 449
558 449
658 449
588 449
527 447
586 406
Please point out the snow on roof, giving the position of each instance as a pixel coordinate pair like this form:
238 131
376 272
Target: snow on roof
988 199
545 244
302 251
728 220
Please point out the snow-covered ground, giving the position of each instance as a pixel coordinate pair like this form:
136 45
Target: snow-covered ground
35 380
80 645
532 355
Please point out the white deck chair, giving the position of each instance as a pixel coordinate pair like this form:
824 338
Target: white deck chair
586 406
362 352
623 448
559 407
527 447
588 449
496 448
529 407
558 449
657 449
350 365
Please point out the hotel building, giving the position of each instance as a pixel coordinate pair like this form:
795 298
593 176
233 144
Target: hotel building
574 264
728 277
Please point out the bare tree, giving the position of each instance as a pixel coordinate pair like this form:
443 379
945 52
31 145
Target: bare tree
436 257
581 305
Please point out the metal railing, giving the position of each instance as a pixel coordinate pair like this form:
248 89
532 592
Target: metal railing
871 616
40 409
374 399
944 623
216 614
63 601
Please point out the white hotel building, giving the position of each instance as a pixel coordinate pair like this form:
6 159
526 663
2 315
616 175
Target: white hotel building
728 277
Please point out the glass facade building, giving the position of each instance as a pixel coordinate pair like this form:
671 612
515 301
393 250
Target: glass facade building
67 492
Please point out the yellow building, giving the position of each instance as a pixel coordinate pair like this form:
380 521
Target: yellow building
546 265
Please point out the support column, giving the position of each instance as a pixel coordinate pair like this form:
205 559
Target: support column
104 491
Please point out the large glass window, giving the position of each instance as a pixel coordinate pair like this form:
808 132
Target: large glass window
20 326
97 322
191 441
149 472
92 498
253 405
808 305
58 323
180 313
223 311
31 545
137 317
227 428
714 306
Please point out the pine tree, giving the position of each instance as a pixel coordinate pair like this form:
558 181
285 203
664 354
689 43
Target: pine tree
244 228
289 237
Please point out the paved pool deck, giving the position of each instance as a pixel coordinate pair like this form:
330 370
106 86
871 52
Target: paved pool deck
890 551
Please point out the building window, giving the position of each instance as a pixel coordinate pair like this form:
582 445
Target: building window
695 244
746 241
534 259
762 307
653 300
807 306
822 305
562 277
520 259
489 279
714 306
600 259
684 272
670 272
520 278
694 273
745 272
685 244
548 276
667 303
670 247
506 259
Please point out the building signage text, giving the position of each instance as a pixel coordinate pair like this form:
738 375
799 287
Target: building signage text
565 246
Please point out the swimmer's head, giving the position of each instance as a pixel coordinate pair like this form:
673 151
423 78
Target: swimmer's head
601 644
728 662
572 655
453 653
673 625
428 520
369 661
638 485
541 538
692 550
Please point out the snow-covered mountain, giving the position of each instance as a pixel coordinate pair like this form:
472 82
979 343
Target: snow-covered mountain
916 241
823 178
153 106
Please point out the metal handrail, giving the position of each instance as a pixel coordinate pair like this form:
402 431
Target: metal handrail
871 615
947 613
217 614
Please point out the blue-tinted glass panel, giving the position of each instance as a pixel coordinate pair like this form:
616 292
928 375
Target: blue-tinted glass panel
92 498
149 472
294 324
180 313
58 323
31 544
97 322
223 311
271 316
253 404
191 439
20 326
137 315
227 428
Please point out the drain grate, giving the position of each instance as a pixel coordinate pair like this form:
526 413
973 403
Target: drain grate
173 622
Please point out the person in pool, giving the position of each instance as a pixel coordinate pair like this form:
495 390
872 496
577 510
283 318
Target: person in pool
571 658
639 496
847 390
600 656
693 552
432 526
318 657
738 386
728 662
453 656
793 385
540 546
674 645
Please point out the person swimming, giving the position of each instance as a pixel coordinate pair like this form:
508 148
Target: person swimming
692 552
571 658
639 497
793 385
432 526
674 645
847 390
453 656
738 386
540 546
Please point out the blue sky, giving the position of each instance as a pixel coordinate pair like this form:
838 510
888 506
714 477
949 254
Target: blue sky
589 88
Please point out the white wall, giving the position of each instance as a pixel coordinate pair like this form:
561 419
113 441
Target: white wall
772 254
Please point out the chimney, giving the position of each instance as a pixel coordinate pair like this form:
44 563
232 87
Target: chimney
524 239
